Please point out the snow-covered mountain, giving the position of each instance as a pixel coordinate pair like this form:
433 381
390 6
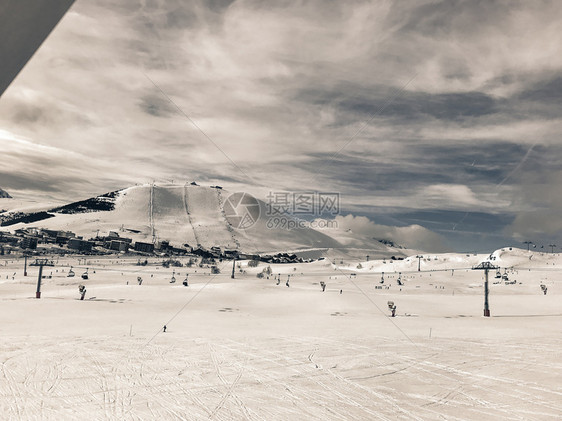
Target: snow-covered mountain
182 214
4 194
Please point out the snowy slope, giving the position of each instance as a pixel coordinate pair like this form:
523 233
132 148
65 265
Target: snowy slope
167 214
131 212
181 214
518 258
505 258
250 349
188 214
428 262
208 222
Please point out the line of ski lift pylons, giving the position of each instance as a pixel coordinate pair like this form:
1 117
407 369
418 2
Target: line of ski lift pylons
82 289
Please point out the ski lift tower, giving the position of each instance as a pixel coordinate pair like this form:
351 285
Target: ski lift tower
41 263
26 255
419 257
485 266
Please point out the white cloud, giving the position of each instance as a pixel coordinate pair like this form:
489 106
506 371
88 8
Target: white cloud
357 231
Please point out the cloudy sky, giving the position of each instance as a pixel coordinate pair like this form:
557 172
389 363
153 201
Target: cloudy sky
442 114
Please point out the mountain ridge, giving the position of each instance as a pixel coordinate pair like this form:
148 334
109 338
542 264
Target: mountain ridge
4 194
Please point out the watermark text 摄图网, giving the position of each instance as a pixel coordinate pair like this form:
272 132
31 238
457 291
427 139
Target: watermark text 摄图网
283 210
303 204
286 210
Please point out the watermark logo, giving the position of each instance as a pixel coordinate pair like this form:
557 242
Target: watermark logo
290 210
311 204
242 210
284 210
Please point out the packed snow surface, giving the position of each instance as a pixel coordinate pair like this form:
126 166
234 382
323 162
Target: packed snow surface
251 348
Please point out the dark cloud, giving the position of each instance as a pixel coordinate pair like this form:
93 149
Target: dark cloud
538 193
547 91
416 164
355 103
464 231
32 114
441 18
476 222
35 112
30 181
158 106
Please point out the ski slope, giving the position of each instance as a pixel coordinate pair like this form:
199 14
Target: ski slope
180 214
208 220
249 348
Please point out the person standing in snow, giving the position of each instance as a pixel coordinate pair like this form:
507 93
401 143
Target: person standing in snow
82 290
392 308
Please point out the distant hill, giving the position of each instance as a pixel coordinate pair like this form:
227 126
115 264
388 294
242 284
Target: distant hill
181 214
4 194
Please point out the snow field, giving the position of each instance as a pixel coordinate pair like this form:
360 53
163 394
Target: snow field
250 349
